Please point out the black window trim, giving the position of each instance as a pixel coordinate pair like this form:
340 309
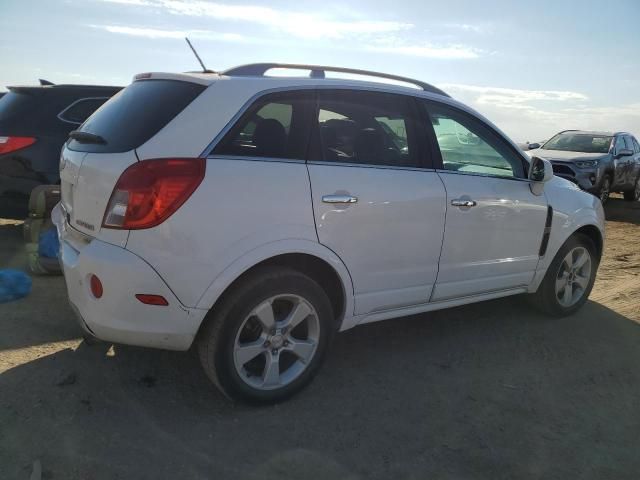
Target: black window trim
68 107
437 155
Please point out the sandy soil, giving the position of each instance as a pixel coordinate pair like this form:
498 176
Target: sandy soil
493 390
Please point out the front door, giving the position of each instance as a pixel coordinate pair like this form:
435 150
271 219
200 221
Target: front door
494 224
376 204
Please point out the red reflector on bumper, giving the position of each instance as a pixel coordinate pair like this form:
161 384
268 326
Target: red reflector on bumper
96 286
152 299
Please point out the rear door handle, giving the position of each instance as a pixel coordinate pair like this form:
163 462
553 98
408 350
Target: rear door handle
339 199
459 202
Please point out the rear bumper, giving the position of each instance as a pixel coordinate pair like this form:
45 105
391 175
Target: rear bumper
118 316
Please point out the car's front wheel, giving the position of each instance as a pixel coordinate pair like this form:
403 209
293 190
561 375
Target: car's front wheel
268 337
605 189
633 195
570 277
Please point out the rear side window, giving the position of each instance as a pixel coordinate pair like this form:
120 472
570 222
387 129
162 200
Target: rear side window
136 114
81 109
365 128
276 126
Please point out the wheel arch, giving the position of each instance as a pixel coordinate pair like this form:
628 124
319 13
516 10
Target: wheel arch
593 233
307 257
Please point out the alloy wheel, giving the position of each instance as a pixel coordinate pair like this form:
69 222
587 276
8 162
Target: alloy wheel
276 342
573 276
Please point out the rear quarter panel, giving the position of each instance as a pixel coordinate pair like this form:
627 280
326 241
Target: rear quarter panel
240 206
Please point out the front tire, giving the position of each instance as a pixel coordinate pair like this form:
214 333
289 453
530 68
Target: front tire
633 195
268 337
569 279
605 189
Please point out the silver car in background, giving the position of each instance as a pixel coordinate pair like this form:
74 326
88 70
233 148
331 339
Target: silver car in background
598 162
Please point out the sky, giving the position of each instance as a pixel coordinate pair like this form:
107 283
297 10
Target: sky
532 67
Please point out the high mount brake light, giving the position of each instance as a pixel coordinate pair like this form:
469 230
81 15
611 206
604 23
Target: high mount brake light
11 144
150 191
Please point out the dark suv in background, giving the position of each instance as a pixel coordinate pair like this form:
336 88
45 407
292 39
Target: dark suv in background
35 121
598 162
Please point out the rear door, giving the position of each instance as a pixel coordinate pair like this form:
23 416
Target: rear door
377 202
494 224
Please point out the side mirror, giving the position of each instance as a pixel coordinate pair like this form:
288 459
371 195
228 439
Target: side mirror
540 172
624 152
533 146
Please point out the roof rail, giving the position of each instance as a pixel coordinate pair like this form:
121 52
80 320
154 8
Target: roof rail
318 71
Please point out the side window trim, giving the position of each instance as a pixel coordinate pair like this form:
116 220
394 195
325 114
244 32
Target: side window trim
438 162
70 106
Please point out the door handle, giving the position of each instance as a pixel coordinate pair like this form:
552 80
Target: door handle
458 202
339 199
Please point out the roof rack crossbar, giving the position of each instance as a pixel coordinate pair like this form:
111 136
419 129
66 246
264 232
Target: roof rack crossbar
318 71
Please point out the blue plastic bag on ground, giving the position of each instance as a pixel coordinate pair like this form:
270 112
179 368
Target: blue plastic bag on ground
49 245
14 284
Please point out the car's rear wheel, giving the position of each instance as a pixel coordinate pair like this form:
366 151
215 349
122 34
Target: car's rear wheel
605 189
569 279
633 195
268 337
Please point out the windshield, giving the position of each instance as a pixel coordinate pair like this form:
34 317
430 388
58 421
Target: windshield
579 142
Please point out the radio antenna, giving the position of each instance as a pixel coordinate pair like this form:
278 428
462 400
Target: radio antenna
204 69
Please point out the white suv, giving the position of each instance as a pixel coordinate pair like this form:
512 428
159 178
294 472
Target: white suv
258 215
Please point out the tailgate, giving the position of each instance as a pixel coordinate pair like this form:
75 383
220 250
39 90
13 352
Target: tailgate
87 180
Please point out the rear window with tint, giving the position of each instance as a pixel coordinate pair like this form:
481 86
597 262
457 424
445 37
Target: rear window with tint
136 114
18 109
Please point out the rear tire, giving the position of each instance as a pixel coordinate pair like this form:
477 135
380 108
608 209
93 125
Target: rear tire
268 337
568 282
633 195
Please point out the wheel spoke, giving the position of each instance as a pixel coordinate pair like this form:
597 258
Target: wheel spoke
583 256
249 351
264 312
272 370
568 294
561 282
568 260
303 349
299 312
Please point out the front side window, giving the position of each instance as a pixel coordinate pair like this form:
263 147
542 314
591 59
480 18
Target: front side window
467 146
365 128
620 145
636 145
276 126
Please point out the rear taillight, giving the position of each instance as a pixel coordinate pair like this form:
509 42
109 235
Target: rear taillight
148 192
11 144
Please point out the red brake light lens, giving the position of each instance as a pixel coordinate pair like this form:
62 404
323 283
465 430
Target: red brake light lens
11 144
150 191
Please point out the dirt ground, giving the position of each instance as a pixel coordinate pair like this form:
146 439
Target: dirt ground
493 390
